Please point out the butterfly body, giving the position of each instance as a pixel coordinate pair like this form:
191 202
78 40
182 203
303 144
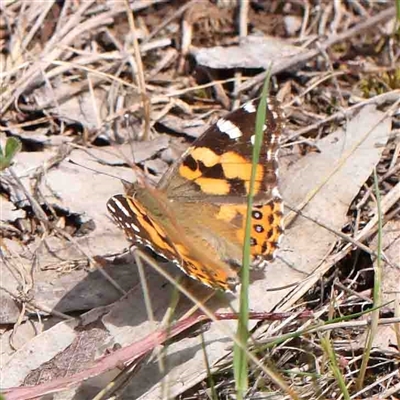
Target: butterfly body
196 215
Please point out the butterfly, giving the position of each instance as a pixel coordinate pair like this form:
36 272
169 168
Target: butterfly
196 215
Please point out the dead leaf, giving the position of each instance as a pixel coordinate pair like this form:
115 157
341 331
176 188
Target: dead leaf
384 340
72 102
39 350
253 52
183 127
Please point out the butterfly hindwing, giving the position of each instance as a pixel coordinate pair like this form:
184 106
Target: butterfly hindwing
144 227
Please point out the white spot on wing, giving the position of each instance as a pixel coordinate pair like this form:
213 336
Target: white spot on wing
249 107
121 207
253 139
134 227
275 193
229 128
257 214
258 228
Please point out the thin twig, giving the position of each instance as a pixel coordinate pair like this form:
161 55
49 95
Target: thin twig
139 75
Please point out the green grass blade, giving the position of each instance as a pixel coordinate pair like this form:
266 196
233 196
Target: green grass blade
12 147
376 292
334 367
210 379
240 361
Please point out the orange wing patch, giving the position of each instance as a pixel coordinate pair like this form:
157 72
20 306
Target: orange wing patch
156 234
214 186
266 229
209 275
139 228
227 166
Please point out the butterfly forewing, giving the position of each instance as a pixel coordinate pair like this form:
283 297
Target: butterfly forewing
218 164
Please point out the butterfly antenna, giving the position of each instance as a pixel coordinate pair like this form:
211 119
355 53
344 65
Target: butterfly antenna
96 171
